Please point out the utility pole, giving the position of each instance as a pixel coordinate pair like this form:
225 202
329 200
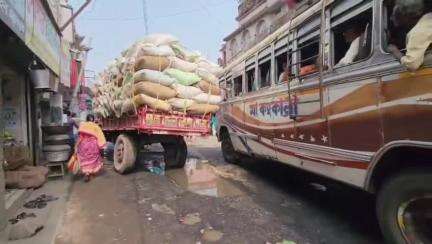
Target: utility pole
145 17
74 105
69 21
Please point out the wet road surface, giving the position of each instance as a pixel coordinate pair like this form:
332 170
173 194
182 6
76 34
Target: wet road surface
209 200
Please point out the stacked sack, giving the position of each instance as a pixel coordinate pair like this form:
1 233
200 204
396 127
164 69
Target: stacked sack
160 73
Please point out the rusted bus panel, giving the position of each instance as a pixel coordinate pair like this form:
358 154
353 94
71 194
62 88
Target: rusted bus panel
406 106
353 115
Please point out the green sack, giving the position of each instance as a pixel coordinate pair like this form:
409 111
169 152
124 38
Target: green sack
183 78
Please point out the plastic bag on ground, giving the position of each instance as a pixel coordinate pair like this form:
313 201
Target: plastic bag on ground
154 76
206 98
186 92
200 109
157 104
154 90
180 103
184 78
182 65
209 88
207 76
152 62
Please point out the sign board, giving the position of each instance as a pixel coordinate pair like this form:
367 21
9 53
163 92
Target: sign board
12 13
41 35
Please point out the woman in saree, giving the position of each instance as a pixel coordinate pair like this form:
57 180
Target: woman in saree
91 141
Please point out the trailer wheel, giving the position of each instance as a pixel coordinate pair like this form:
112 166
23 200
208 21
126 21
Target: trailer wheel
175 153
125 154
228 151
404 207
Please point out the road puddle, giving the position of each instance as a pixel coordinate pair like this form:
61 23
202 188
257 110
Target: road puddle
201 179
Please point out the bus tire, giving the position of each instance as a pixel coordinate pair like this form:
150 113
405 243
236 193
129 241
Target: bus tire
125 154
175 153
228 151
398 197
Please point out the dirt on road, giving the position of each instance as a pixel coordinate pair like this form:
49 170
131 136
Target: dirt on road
210 201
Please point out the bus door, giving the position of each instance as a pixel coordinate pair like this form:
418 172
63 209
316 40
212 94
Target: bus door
259 100
306 97
234 113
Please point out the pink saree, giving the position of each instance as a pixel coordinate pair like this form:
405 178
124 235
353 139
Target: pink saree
90 142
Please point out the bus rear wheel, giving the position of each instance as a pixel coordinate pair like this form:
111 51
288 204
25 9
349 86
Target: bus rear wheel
404 207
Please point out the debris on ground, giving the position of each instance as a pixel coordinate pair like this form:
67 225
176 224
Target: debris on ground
26 229
191 219
21 216
40 202
286 242
318 187
155 167
162 208
211 235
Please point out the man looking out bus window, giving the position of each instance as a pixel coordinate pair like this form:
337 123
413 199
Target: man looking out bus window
411 14
351 35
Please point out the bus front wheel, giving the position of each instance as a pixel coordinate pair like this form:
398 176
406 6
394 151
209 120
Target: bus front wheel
404 207
228 151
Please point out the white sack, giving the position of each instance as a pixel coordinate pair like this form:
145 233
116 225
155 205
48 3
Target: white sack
153 76
206 98
159 39
207 76
182 65
152 50
180 103
187 92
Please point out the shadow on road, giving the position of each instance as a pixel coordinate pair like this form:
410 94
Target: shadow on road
334 204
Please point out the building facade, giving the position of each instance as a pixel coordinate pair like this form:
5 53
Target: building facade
256 20
30 39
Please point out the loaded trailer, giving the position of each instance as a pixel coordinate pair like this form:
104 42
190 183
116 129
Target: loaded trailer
148 126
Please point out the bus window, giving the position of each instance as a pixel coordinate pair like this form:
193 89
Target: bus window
250 79
238 85
282 65
352 39
309 52
229 88
264 74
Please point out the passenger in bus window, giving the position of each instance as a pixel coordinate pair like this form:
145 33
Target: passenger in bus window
352 35
413 15
309 69
285 76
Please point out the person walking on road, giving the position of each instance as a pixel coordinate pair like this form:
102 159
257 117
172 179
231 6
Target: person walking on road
91 141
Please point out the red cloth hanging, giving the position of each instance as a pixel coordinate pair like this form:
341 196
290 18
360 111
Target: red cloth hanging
74 73
291 3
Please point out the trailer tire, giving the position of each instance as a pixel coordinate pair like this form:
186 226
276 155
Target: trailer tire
175 153
125 154
401 210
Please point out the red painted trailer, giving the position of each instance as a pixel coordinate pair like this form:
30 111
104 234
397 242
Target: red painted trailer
148 126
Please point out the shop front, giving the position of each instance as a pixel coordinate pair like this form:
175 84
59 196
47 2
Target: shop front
29 42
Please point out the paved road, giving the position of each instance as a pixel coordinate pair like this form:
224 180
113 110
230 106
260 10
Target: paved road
253 202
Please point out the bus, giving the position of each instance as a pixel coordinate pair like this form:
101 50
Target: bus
366 123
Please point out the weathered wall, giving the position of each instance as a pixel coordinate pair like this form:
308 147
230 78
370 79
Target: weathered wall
2 179
14 112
